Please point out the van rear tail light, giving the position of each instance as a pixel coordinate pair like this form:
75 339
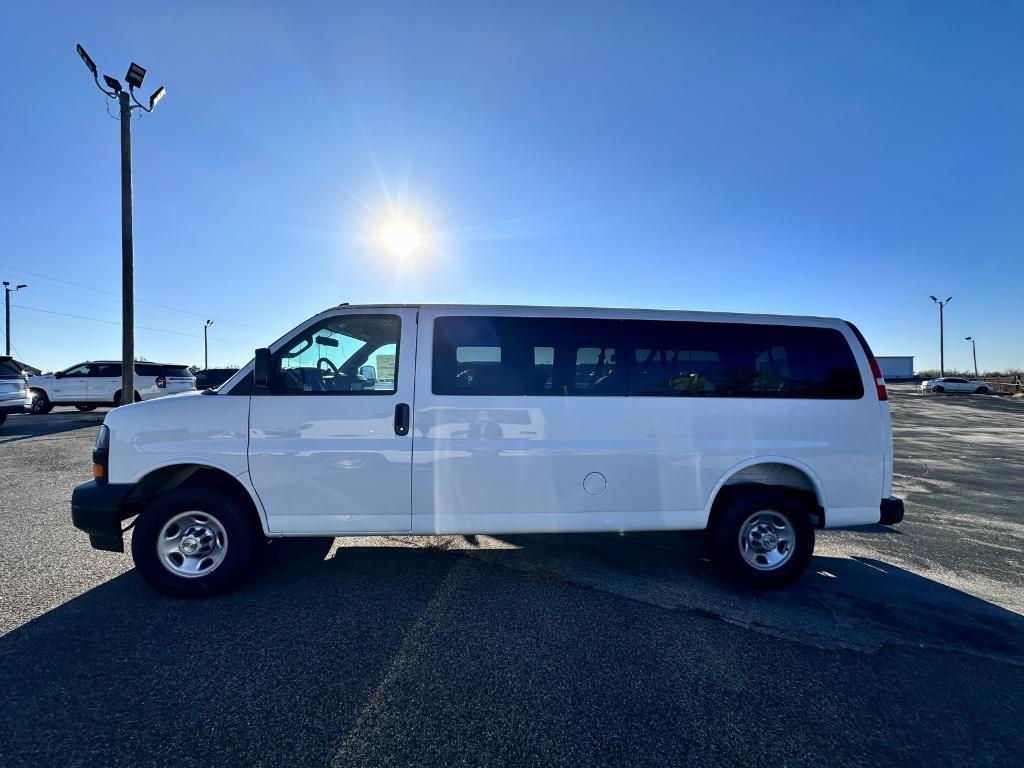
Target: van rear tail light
876 372
161 382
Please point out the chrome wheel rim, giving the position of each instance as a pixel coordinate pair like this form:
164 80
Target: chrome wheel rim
192 544
767 540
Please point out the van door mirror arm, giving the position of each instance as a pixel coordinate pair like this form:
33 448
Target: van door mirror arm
261 371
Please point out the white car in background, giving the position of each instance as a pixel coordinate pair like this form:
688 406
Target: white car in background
92 384
14 397
954 384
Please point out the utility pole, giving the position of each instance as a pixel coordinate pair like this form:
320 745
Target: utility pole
124 98
942 342
127 256
974 353
206 356
7 312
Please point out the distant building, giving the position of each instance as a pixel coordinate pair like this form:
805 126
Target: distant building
896 368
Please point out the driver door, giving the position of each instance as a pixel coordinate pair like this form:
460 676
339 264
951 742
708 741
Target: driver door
330 447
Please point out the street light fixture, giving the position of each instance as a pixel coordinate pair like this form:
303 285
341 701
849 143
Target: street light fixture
85 57
206 356
942 355
7 312
124 98
135 76
112 83
974 354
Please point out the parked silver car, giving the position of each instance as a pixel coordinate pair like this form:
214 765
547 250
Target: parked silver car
954 384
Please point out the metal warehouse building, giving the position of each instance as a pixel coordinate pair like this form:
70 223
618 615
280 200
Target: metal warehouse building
896 368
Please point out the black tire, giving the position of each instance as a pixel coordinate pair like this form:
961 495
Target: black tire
86 408
40 404
117 398
981 391
726 549
240 533
938 390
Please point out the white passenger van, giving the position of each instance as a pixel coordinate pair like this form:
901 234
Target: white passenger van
505 420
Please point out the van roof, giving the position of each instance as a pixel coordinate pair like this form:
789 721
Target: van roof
533 307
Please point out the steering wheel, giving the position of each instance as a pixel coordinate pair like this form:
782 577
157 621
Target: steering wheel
334 368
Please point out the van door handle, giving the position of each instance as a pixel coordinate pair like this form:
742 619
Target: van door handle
402 419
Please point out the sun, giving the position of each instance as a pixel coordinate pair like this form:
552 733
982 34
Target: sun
402 237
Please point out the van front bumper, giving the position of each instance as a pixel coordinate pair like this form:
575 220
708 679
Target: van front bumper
891 511
98 509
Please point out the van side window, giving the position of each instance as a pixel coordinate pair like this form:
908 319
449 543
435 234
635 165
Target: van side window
658 358
597 373
477 356
540 378
669 371
527 356
478 367
348 354
679 358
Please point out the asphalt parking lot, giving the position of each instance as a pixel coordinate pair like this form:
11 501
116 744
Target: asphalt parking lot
900 646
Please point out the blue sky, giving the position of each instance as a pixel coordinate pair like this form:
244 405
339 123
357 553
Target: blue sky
811 158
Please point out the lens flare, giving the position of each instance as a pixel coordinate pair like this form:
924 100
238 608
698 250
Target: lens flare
402 237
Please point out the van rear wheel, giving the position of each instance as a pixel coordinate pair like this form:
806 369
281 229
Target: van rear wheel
194 542
763 538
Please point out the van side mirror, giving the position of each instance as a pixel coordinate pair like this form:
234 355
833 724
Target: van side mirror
369 373
261 368
58 375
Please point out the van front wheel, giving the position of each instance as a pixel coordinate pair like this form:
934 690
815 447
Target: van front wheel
193 542
763 538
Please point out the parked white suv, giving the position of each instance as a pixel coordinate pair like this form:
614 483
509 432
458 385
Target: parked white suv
954 384
92 384
501 420
14 397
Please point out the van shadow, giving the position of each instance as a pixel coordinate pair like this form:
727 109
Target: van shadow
854 602
23 426
284 670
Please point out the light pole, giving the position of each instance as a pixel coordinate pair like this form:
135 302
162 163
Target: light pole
974 353
124 99
206 356
942 342
7 311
